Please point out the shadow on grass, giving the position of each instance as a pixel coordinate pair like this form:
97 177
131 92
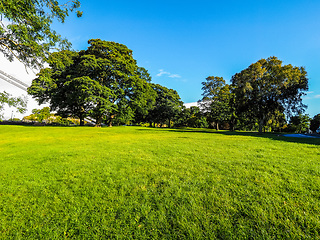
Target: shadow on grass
273 136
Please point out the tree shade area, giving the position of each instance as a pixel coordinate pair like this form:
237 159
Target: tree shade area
266 87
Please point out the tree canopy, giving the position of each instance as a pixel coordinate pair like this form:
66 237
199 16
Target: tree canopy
315 123
102 82
25 28
167 105
268 86
216 100
300 123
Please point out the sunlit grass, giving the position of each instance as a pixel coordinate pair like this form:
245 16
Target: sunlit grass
143 183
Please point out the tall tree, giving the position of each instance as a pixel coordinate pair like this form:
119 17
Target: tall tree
268 86
25 28
117 71
102 82
216 100
61 85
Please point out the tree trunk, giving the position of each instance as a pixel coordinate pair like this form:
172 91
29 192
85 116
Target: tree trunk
169 123
81 117
217 126
98 121
261 124
81 121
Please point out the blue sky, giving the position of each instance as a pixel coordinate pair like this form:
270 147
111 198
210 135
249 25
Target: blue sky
181 43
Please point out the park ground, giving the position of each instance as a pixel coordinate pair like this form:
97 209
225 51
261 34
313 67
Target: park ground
144 183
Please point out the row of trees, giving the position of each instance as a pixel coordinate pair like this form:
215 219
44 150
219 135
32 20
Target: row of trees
105 83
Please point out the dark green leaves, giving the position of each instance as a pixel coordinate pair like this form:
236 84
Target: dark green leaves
103 82
266 87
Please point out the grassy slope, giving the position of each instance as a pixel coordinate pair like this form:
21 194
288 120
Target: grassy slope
128 182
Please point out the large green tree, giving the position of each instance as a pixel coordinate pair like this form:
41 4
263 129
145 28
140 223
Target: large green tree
25 28
216 100
268 86
103 82
63 87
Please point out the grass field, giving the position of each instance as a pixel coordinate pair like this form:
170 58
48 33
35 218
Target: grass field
143 183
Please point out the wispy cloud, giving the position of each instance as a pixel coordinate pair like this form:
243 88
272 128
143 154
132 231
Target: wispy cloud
174 76
171 75
161 72
317 96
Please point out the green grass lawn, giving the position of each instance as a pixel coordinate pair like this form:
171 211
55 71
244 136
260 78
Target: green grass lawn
143 183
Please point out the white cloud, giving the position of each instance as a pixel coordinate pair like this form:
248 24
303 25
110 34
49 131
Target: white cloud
192 104
174 76
317 96
170 75
161 72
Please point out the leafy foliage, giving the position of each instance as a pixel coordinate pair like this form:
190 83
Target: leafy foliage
192 117
315 123
167 105
102 82
18 102
25 28
216 100
268 86
300 123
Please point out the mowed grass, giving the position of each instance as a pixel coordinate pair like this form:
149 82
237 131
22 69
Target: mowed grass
143 183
